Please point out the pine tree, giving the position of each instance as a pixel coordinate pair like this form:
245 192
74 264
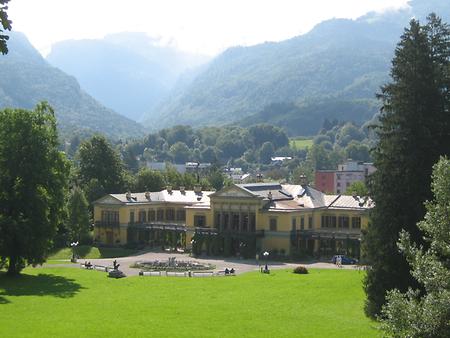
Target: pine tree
427 313
78 215
413 133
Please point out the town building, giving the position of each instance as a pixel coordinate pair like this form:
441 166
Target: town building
242 219
337 181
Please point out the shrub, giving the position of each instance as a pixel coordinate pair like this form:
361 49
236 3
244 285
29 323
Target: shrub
301 270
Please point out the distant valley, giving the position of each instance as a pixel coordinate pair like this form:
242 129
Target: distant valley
26 78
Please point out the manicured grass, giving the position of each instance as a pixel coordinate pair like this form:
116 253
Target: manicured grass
91 252
301 143
70 302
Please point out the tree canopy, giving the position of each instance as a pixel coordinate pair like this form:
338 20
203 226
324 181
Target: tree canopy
426 312
414 130
33 179
100 168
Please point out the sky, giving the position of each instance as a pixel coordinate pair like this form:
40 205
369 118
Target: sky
198 26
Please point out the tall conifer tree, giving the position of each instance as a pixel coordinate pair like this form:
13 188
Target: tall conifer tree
413 133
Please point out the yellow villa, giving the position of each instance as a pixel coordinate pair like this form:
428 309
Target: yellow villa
242 219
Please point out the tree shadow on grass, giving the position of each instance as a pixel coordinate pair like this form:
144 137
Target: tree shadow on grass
39 285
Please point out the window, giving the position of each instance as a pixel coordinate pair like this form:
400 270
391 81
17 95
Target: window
151 215
160 215
356 222
170 214
294 223
338 184
252 222
142 216
110 217
199 221
245 222
273 224
181 215
310 222
226 220
328 221
302 222
343 222
131 216
235 221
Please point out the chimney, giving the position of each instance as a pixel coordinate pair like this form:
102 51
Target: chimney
169 189
259 177
269 195
128 195
303 180
147 195
182 189
198 189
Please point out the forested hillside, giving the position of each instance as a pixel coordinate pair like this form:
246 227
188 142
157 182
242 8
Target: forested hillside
26 78
334 70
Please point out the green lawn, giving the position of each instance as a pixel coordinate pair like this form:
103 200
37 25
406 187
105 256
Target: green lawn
301 143
90 252
70 302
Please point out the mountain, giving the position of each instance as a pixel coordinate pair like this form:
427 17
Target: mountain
128 72
340 62
26 78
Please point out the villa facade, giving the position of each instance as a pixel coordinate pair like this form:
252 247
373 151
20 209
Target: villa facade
242 219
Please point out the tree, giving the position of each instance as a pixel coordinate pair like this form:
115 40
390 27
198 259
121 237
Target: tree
426 313
216 179
100 168
413 132
78 221
266 152
33 179
180 152
149 180
6 24
357 188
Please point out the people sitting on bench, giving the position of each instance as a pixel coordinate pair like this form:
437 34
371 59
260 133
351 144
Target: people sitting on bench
232 271
227 271
87 265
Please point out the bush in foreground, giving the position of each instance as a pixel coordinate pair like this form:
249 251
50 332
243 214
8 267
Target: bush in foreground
301 270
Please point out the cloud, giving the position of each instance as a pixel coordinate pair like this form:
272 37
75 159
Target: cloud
201 26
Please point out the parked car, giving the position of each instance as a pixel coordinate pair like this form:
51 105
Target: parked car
344 259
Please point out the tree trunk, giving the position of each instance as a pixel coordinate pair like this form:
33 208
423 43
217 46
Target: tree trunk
12 266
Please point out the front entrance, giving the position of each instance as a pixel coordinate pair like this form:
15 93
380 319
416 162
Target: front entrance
109 238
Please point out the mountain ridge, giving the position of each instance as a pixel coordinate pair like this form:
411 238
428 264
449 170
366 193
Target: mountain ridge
28 79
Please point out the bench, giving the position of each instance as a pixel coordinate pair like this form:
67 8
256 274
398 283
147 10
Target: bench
150 273
203 274
176 274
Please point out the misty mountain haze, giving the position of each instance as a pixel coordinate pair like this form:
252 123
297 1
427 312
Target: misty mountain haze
331 72
342 62
128 72
26 78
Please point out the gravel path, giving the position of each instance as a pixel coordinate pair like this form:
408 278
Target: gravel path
240 265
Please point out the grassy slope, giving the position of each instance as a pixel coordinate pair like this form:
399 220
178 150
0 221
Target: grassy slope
301 143
89 252
63 302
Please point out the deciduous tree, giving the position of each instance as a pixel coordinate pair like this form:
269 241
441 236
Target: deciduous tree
100 168
33 179
426 313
